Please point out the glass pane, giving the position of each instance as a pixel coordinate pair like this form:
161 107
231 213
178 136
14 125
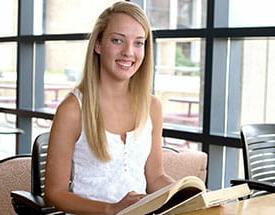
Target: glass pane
70 16
64 62
7 139
260 13
258 81
243 88
173 14
8 17
178 81
180 144
240 164
7 74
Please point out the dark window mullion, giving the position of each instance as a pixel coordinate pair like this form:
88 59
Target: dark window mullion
24 94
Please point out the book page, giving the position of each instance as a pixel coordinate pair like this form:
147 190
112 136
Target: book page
179 197
195 202
226 194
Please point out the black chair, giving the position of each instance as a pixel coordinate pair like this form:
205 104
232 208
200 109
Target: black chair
258 145
33 202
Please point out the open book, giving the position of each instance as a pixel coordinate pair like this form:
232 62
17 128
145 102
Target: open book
186 194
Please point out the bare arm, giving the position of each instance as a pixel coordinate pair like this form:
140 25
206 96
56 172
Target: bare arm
65 131
155 175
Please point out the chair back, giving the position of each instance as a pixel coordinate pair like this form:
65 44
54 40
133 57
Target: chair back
15 174
32 202
39 156
258 143
179 164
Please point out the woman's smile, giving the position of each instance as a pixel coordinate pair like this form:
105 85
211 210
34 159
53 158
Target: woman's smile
125 63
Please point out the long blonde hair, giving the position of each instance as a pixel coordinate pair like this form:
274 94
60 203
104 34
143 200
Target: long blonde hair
139 84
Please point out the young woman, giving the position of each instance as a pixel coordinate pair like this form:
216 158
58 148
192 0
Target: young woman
105 143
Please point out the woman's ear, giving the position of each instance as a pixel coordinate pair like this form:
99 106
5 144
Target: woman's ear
97 47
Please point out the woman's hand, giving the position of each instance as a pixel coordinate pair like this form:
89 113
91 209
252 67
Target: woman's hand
128 199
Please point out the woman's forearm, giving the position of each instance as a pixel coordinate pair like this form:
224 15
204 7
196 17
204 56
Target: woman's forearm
161 181
72 203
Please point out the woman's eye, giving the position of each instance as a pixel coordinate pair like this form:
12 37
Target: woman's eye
116 41
139 43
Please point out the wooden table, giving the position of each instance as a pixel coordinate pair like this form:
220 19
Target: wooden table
48 87
186 100
264 205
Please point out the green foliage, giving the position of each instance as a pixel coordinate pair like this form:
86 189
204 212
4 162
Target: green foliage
181 60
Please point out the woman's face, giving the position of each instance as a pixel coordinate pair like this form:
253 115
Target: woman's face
121 48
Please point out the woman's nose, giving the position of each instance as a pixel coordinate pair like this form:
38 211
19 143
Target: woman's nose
128 50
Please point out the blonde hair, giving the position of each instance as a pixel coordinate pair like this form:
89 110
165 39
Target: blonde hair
139 84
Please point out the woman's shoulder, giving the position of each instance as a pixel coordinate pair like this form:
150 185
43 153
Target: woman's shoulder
155 103
155 108
67 119
69 107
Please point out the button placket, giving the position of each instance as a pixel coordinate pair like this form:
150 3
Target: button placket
125 159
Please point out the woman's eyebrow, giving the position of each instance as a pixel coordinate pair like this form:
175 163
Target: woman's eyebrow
123 35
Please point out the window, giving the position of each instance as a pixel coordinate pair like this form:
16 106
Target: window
259 13
213 69
8 74
8 18
179 63
70 16
64 61
176 14
45 58
178 83
7 141
257 81
243 93
225 73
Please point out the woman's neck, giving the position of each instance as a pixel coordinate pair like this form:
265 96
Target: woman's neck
114 90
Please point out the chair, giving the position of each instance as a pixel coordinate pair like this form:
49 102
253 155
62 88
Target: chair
258 145
15 174
25 202
179 164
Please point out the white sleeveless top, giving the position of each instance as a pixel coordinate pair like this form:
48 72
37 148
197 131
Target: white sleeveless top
111 181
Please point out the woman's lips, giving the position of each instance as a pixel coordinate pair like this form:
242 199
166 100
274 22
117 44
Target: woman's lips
125 63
